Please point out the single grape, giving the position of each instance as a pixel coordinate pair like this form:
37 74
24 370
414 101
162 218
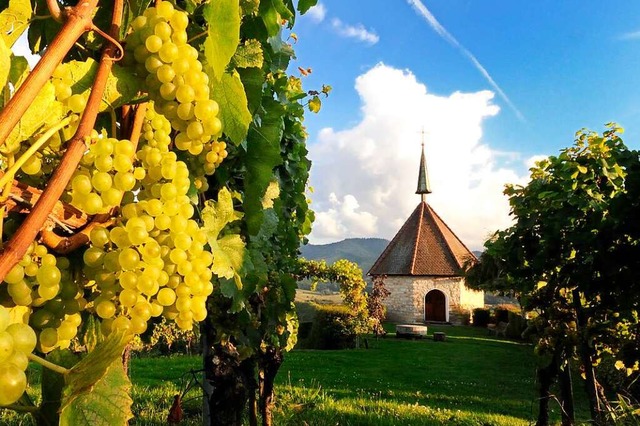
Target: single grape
14 383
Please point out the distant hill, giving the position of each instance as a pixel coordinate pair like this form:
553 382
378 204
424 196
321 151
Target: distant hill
363 251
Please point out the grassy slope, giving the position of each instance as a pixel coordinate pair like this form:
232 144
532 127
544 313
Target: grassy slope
470 379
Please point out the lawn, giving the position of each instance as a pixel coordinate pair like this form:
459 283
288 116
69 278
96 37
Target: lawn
470 379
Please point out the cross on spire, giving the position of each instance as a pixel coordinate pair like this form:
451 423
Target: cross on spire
423 178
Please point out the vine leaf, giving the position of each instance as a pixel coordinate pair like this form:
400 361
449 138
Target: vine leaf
234 112
14 20
53 383
223 34
249 55
263 154
249 7
43 110
305 5
84 376
228 250
252 80
107 404
121 85
272 13
5 63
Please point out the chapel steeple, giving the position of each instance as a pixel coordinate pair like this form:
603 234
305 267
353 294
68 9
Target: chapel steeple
423 178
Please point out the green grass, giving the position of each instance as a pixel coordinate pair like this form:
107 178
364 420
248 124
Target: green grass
470 379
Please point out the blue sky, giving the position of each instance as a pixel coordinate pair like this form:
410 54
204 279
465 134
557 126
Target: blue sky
561 66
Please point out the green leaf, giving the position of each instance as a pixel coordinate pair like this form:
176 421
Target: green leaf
234 113
43 111
5 63
249 55
121 85
91 333
249 7
223 33
14 20
271 16
107 404
252 80
314 104
85 374
53 384
305 5
263 155
228 251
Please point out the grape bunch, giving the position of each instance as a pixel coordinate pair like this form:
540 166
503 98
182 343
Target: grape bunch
17 340
153 261
156 134
173 75
106 173
43 282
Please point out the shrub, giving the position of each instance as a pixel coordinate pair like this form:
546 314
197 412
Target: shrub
481 317
517 325
501 312
334 327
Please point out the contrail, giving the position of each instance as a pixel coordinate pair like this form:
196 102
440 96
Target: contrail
442 32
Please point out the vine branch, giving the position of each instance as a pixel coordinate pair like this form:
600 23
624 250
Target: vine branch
17 246
79 21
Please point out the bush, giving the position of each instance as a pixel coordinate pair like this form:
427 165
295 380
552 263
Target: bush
501 312
517 325
334 327
481 317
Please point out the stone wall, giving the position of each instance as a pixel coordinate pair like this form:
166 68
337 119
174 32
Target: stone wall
406 299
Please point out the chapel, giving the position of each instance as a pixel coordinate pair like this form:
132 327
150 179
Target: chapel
422 268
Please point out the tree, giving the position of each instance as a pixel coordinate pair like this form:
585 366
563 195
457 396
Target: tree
154 164
572 253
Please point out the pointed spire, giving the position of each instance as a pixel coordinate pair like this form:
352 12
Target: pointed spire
423 178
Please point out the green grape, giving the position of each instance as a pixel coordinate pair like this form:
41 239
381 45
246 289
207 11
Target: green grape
6 345
81 184
153 43
185 94
19 359
14 383
129 259
48 275
15 275
24 338
77 103
48 339
106 309
32 166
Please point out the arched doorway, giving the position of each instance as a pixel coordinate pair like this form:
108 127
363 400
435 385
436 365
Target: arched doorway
435 306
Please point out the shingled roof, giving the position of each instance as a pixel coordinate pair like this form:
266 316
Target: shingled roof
425 245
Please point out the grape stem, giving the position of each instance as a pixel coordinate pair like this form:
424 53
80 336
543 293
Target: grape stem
10 173
48 364
28 230
22 408
54 9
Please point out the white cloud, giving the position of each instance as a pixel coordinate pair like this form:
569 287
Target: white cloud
365 176
317 13
359 32
531 161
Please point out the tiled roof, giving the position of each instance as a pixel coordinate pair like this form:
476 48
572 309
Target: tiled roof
425 245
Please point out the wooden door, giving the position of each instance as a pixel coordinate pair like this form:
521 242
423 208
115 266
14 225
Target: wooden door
435 306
